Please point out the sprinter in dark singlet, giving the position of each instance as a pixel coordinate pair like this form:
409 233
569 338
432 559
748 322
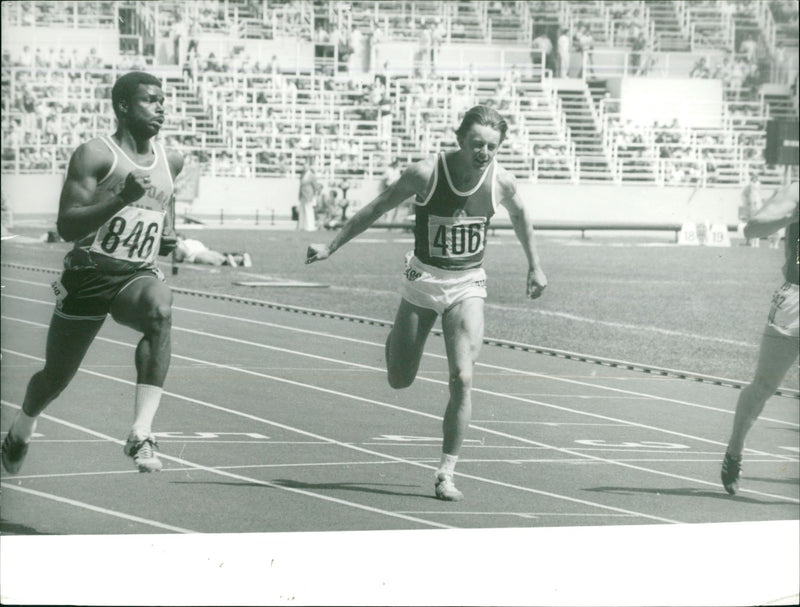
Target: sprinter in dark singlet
115 207
456 194
779 344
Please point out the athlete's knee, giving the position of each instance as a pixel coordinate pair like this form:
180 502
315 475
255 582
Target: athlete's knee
461 379
761 389
400 378
158 310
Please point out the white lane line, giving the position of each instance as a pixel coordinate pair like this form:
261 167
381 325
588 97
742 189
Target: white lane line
85 506
564 379
507 370
487 430
311 434
216 471
445 383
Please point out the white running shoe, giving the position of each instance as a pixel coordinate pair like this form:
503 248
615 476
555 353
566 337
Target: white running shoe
142 450
446 489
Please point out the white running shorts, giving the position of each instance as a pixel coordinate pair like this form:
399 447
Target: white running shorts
783 315
436 289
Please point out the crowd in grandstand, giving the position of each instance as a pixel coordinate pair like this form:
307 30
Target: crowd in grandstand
273 116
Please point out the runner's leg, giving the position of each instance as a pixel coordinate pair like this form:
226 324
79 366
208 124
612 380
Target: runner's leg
68 340
777 354
463 336
406 342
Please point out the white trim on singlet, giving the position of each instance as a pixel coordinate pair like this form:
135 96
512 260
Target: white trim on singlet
493 191
450 181
113 164
433 185
166 161
138 166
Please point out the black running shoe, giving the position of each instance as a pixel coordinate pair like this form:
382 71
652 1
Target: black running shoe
731 469
14 452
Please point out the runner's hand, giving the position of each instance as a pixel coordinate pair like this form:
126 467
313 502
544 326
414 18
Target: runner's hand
169 241
317 252
537 282
136 184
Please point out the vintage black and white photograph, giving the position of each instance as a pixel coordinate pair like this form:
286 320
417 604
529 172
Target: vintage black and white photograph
400 302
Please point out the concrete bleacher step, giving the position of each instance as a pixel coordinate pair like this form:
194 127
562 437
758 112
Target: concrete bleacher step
668 31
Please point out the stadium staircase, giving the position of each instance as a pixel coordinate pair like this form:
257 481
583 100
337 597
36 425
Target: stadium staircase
585 133
667 26
779 105
469 21
194 108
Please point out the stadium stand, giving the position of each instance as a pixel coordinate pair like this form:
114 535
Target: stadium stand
243 111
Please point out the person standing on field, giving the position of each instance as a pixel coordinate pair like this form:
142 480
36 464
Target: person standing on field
456 194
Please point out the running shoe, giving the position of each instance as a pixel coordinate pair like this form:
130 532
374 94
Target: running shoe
14 452
142 450
731 469
247 261
446 489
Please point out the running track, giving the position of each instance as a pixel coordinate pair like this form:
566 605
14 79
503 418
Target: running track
276 422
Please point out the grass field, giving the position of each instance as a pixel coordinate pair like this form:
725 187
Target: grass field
632 297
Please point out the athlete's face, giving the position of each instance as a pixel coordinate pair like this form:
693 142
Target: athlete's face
479 145
145 110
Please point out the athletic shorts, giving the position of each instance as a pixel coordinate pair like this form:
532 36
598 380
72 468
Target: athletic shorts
436 289
87 294
783 315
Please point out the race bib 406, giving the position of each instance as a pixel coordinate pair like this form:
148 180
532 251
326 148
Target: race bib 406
456 236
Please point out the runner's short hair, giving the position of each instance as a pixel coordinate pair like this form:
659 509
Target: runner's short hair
485 116
126 86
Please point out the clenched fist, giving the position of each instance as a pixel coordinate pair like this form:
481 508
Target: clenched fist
136 184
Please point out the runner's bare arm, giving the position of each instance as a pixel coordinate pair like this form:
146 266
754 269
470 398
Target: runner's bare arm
778 212
413 181
522 220
81 209
169 238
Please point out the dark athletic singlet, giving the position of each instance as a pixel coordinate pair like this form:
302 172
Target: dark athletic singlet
451 226
791 269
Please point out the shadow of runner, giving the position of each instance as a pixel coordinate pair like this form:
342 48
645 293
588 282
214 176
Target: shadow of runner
292 484
687 492
363 487
9 528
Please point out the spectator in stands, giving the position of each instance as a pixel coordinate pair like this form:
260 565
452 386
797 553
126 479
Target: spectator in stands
749 48
779 344
310 188
638 45
584 44
700 69
752 200
26 57
193 34
564 51
542 48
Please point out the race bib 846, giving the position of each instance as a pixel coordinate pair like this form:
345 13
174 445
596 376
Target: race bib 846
133 234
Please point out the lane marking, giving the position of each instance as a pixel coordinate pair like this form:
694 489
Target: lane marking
787 392
239 477
306 433
512 437
85 506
